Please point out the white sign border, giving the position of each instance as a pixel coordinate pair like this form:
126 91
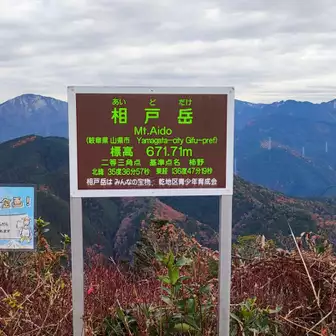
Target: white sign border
73 163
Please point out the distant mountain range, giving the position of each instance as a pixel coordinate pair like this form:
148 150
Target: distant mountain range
115 222
287 146
33 114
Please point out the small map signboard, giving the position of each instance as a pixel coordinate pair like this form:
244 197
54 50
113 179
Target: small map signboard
17 217
150 142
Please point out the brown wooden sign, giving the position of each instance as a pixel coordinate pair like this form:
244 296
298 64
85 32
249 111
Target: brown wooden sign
141 141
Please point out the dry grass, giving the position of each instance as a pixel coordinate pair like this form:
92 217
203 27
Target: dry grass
283 281
35 291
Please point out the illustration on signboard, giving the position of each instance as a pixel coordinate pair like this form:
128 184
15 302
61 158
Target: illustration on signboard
17 202
5 203
17 217
26 233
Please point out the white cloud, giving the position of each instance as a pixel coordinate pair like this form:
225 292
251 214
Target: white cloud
268 50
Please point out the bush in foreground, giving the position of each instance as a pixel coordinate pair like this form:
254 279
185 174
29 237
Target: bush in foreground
172 288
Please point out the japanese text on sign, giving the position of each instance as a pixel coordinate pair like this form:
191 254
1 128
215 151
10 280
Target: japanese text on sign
140 141
17 221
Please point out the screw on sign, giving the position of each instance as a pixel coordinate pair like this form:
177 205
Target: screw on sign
151 141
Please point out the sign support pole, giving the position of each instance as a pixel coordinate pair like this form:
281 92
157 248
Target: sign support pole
77 262
89 178
225 234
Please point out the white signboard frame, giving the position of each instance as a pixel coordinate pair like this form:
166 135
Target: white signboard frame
76 195
75 192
